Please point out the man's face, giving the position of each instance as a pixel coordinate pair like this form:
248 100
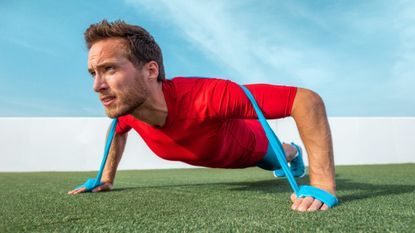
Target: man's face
121 86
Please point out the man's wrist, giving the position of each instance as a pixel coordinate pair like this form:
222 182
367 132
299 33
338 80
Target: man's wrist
107 180
329 188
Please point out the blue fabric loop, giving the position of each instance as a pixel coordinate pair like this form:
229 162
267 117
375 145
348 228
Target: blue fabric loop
276 145
92 183
319 194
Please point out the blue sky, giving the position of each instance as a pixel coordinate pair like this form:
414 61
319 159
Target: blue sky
358 55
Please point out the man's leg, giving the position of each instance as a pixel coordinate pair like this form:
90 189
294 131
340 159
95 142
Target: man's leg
294 160
290 151
270 161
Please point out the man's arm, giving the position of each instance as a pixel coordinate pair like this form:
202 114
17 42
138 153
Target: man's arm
310 117
114 157
110 169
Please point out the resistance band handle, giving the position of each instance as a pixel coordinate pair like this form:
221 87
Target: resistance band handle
319 194
304 190
91 183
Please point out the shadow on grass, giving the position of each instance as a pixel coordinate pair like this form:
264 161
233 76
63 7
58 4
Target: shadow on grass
267 186
367 190
359 190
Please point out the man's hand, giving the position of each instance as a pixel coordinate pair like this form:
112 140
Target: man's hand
106 186
307 204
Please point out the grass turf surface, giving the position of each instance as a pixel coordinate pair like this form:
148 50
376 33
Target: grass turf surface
375 198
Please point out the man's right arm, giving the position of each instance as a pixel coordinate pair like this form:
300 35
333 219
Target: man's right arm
114 157
110 169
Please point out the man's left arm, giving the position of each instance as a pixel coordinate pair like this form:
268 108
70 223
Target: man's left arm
310 117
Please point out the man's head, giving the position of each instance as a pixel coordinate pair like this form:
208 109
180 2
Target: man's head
125 62
140 46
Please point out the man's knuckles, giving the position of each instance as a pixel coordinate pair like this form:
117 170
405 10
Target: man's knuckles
315 205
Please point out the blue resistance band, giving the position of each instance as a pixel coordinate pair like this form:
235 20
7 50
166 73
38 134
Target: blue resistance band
92 183
303 190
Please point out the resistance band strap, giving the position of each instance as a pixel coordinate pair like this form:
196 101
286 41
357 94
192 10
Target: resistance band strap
91 183
276 145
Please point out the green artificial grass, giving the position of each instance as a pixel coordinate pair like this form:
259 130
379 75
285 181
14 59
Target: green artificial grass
375 198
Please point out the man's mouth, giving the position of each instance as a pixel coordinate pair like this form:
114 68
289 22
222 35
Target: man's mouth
107 100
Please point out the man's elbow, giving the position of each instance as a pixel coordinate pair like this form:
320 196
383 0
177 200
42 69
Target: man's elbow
307 102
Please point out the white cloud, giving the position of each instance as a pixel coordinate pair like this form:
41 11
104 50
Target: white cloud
227 36
359 55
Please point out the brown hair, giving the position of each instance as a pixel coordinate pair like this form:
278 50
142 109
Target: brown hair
140 47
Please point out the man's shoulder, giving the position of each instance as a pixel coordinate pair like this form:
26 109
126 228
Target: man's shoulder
194 80
189 89
197 83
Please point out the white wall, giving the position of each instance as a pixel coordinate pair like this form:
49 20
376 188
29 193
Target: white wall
364 140
77 144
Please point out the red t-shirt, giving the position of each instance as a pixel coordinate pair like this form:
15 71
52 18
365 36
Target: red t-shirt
212 123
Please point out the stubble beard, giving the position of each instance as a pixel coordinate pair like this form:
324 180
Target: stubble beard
128 100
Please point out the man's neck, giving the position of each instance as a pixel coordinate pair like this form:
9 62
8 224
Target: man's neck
154 110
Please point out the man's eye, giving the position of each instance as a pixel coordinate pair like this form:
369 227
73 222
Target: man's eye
109 68
92 74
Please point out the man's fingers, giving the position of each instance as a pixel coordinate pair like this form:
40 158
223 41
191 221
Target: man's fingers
315 205
297 203
104 187
76 191
293 197
324 207
307 204
81 190
72 191
98 189
303 204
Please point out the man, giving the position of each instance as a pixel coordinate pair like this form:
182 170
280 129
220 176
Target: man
200 121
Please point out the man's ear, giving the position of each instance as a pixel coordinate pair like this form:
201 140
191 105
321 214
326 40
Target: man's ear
152 70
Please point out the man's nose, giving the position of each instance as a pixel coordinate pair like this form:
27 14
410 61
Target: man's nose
99 84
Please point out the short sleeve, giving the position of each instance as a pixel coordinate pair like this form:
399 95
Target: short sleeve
123 126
